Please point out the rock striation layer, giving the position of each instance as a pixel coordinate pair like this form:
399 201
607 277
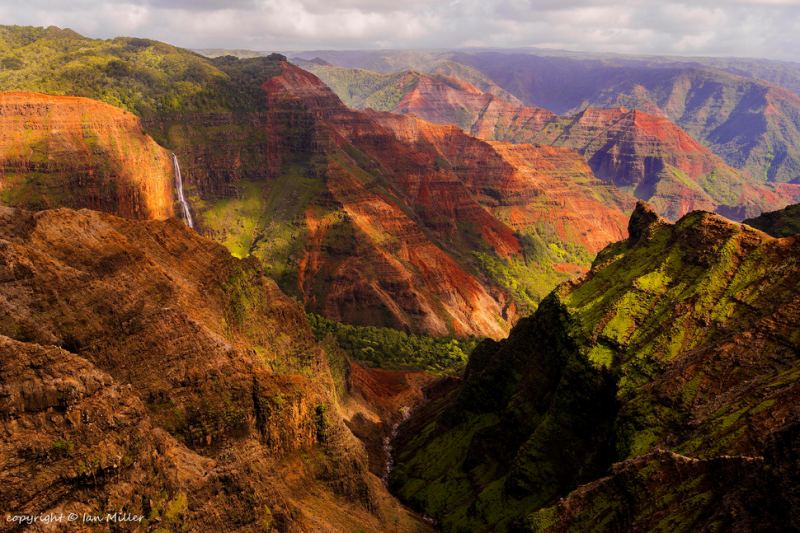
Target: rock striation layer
391 199
145 370
59 151
639 150
660 163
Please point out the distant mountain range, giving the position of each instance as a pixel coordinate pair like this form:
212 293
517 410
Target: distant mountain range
643 153
746 111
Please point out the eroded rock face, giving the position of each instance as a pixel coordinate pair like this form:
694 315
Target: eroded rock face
526 186
390 235
450 100
660 163
216 149
395 213
146 369
752 124
674 360
639 150
59 151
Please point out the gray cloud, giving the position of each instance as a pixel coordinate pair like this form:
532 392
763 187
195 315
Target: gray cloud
762 28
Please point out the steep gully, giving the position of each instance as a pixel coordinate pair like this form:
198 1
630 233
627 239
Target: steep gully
155 396
187 215
405 410
410 393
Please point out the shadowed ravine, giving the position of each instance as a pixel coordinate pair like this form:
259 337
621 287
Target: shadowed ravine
405 412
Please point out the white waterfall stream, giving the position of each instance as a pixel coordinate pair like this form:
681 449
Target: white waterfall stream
388 448
187 215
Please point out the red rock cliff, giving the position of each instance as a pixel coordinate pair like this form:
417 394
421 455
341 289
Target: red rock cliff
75 152
643 152
143 368
405 213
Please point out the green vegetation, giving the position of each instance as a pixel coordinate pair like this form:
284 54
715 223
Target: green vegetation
393 349
531 276
361 89
176 507
266 220
284 230
62 448
528 282
724 186
321 422
615 367
244 296
781 223
236 222
445 487
143 76
207 423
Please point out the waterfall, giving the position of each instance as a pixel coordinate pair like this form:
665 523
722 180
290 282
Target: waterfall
187 215
388 448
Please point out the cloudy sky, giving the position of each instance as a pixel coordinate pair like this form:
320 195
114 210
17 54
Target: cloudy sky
757 28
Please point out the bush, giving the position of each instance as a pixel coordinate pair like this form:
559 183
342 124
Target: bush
393 349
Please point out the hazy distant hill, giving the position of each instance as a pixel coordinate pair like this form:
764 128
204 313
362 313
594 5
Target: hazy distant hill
643 153
753 124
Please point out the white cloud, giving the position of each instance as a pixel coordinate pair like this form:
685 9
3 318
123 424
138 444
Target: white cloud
766 28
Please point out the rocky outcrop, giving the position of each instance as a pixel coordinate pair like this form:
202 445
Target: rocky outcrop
224 140
437 195
145 370
58 151
375 230
628 395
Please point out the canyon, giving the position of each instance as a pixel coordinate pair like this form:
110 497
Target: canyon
361 222
228 301
640 151
146 370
